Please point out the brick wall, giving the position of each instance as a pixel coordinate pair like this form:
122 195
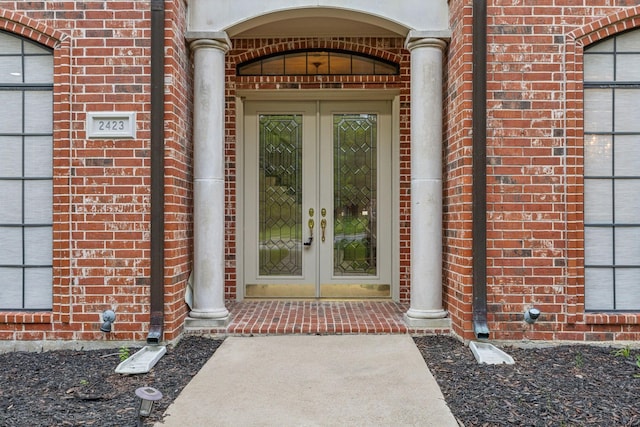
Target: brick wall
178 168
534 184
101 187
457 182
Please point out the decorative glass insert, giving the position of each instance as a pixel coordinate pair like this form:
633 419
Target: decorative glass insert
355 194
280 195
26 183
317 62
612 173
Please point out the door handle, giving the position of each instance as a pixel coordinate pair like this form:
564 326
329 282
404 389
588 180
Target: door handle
310 224
323 222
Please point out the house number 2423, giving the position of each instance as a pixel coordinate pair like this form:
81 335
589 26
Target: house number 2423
111 125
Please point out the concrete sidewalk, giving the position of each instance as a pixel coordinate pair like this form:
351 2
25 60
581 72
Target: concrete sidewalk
306 380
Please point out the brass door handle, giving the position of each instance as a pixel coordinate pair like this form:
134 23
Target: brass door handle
323 222
310 224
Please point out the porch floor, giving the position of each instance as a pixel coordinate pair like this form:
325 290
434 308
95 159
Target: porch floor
269 317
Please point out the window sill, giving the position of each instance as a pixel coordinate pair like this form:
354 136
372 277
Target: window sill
612 318
22 317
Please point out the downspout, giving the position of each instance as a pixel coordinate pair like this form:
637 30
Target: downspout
157 173
479 170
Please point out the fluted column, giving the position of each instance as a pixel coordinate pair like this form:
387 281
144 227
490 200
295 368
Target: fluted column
426 181
208 186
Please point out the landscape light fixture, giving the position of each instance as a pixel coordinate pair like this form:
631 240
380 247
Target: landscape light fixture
147 396
108 317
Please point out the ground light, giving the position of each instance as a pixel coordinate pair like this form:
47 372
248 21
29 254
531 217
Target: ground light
147 396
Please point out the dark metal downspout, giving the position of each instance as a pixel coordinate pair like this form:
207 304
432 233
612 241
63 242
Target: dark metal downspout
479 171
157 173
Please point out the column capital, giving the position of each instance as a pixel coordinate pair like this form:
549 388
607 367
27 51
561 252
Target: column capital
423 42
211 41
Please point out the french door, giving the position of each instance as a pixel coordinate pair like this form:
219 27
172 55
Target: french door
317 199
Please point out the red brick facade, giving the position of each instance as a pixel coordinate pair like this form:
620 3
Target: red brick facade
101 187
535 235
535 238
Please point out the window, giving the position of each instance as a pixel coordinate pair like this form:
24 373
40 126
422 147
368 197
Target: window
612 173
317 62
26 184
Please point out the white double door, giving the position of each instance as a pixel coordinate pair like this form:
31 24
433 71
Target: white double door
317 197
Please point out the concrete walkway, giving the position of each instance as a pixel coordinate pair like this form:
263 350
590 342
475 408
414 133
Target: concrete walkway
306 380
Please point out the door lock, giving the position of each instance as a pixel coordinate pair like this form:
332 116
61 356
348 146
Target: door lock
310 224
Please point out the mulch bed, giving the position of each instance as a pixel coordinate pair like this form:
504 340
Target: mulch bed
559 386
573 385
81 388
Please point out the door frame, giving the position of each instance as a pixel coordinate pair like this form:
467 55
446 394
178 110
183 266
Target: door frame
321 95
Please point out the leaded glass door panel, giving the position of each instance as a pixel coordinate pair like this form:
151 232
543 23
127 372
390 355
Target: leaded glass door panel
317 200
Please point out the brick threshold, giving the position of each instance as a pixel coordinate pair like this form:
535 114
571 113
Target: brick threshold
316 317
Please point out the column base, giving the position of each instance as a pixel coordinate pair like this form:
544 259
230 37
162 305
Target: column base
412 322
426 318
415 313
214 314
193 323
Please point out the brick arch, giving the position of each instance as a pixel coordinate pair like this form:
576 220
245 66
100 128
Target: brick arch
305 44
609 25
31 29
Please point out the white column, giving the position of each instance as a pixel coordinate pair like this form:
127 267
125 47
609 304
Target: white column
208 183
426 181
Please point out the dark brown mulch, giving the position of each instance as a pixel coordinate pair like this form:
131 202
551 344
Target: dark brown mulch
574 385
81 388
560 386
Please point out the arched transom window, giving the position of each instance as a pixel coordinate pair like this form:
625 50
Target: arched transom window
317 62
